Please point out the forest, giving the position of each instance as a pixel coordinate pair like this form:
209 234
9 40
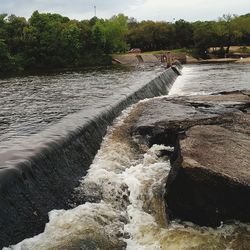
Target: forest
46 40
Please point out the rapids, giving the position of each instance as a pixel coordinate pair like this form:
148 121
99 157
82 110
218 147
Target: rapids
124 189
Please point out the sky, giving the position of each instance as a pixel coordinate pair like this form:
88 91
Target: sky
157 10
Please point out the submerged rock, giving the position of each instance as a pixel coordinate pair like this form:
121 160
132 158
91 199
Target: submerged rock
209 181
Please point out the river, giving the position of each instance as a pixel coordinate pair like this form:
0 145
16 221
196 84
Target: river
125 184
212 78
32 103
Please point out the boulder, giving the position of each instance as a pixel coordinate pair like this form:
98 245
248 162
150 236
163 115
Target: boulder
209 181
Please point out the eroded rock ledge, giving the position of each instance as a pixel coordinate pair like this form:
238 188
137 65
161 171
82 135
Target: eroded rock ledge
210 177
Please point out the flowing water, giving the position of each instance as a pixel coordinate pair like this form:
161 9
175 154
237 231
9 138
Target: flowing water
125 186
207 79
33 103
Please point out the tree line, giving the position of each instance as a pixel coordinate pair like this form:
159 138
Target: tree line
197 36
48 40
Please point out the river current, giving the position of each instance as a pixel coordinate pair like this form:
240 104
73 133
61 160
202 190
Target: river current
31 104
125 186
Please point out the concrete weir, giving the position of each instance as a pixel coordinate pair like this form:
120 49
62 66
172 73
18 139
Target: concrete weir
40 175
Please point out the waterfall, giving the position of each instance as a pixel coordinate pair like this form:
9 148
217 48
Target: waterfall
40 174
125 209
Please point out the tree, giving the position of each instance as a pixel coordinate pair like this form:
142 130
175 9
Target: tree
44 36
110 34
48 40
149 35
14 33
71 42
230 30
6 61
184 33
242 25
2 25
204 37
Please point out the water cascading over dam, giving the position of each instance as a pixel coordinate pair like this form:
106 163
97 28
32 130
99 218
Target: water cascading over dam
122 196
40 174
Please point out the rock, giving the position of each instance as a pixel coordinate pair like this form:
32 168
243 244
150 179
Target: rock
218 60
149 58
190 59
209 181
212 184
126 59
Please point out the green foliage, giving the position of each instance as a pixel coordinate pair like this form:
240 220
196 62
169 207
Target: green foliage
149 35
51 40
198 36
227 31
7 63
48 40
204 35
109 35
184 32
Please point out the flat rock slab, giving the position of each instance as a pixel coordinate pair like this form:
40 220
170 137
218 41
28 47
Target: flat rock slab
210 177
218 150
127 59
149 58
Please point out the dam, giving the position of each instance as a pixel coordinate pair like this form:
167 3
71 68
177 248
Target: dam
116 200
42 158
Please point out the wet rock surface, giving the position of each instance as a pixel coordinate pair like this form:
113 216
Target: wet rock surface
209 181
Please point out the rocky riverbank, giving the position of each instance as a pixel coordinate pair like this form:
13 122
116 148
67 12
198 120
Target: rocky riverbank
133 59
209 181
149 58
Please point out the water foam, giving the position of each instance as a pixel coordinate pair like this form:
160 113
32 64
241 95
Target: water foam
125 189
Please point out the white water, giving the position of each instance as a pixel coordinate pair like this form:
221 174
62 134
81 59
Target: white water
125 188
126 184
120 171
211 78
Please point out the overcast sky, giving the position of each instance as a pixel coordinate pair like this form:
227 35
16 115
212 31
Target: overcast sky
190 10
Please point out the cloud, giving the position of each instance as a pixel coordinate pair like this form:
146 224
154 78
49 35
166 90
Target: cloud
190 10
